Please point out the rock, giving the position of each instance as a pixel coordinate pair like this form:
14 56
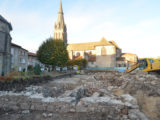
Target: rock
24 106
136 113
130 99
44 115
25 112
72 110
47 92
124 111
79 93
96 94
50 115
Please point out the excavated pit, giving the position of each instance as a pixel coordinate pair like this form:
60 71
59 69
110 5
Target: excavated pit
92 96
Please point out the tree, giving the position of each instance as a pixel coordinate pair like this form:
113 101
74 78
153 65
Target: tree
79 62
53 52
60 53
37 69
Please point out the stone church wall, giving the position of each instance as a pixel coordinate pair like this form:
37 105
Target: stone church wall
106 61
110 50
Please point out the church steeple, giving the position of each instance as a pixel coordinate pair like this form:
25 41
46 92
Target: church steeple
60 7
60 32
60 19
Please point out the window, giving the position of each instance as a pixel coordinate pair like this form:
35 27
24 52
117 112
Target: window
103 51
12 51
151 61
22 60
78 54
20 69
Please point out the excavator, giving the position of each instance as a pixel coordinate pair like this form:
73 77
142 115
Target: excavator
145 64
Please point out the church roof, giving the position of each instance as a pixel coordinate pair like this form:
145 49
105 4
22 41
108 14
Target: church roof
91 45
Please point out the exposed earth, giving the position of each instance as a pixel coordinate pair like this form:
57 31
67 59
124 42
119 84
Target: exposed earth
92 96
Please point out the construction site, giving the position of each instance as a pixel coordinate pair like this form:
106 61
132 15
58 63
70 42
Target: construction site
108 95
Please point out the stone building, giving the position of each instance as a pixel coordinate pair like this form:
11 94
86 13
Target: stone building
19 58
32 59
127 59
98 54
5 46
60 28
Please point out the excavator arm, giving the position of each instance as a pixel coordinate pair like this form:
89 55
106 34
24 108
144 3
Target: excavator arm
132 68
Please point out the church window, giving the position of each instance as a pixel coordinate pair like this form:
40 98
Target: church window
103 51
78 54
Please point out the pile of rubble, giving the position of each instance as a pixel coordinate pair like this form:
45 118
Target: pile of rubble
96 96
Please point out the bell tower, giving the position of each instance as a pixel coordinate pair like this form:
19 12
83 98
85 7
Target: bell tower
60 29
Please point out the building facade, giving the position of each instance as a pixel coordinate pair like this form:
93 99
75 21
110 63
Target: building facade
60 28
5 46
32 59
19 58
98 54
127 59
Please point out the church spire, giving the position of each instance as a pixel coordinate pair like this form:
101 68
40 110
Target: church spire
60 7
60 19
60 29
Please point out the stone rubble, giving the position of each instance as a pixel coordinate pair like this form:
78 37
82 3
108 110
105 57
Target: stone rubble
96 96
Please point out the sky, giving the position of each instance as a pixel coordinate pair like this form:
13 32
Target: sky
133 24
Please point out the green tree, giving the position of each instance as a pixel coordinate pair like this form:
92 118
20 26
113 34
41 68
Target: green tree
80 62
37 69
53 52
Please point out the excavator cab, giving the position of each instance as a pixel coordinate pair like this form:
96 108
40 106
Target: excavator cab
142 64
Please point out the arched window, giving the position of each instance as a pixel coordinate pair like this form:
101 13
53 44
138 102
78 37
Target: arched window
78 54
103 51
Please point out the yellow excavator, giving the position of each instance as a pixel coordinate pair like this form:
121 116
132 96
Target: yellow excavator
145 64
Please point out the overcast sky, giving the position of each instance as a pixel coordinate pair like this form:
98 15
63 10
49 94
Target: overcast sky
133 24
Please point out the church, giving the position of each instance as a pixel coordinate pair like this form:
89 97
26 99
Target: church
103 53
